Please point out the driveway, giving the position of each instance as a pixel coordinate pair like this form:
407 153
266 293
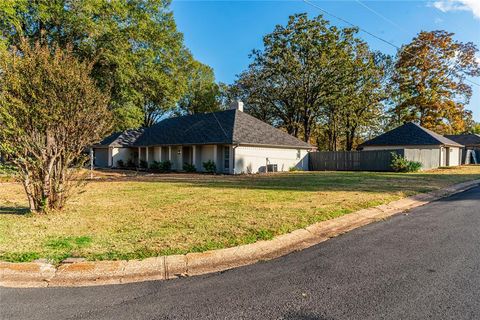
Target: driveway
421 265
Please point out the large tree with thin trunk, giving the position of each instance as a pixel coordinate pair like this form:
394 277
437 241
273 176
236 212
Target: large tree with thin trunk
138 52
50 112
316 81
430 75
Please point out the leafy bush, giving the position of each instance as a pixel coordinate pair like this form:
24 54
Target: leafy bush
189 167
143 164
163 166
130 164
7 169
120 164
291 169
210 166
401 164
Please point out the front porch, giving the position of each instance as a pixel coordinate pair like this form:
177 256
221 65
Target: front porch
196 155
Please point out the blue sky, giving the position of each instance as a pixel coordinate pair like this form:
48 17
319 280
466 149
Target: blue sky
223 33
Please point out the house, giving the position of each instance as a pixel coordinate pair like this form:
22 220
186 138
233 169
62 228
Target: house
418 144
235 141
471 151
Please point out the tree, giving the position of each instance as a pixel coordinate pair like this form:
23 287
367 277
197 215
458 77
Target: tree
139 54
430 80
315 81
291 74
202 93
475 128
50 112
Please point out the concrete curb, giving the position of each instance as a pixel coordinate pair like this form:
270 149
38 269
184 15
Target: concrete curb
90 273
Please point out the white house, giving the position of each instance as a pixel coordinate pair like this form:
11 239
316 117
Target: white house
235 141
418 144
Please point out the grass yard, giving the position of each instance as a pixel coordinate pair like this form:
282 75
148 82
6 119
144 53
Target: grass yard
126 216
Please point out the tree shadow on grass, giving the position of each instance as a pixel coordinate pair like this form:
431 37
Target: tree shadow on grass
14 210
317 181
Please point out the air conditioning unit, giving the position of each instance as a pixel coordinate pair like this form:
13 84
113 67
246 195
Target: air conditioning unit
272 168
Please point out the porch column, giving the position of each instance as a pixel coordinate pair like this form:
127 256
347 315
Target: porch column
194 156
230 160
159 154
139 156
181 157
110 157
170 153
146 155
215 156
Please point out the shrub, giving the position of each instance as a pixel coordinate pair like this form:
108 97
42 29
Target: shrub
189 167
291 169
401 164
143 164
163 166
7 169
210 166
130 163
120 164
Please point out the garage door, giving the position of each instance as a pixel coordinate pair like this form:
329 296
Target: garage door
100 157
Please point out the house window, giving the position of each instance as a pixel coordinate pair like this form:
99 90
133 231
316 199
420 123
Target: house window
226 158
298 154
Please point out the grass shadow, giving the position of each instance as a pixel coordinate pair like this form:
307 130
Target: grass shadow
14 210
318 181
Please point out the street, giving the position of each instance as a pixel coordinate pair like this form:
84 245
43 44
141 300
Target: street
424 264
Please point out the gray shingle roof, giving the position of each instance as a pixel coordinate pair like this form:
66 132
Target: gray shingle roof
465 139
121 139
410 134
224 127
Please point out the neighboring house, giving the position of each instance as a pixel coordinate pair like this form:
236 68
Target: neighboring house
418 144
234 140
471 143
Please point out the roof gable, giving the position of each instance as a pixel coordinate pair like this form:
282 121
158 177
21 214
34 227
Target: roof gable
250 130
121 139
409 134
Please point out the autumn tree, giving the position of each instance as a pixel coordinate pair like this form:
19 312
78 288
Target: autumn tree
138 52
430 81
50 112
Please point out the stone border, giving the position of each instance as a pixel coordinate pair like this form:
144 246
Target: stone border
76 272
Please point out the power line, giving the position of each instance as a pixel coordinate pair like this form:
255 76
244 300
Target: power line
368 32
380 15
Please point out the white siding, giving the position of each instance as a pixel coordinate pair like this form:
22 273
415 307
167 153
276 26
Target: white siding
249 159
206 153
420 153
454 156
429 157
124 154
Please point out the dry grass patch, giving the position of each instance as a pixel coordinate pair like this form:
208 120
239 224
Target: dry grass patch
129 215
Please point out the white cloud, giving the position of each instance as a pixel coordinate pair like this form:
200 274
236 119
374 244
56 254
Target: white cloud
458 5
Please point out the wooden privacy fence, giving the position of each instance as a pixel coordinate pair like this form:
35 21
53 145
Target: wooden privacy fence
378 160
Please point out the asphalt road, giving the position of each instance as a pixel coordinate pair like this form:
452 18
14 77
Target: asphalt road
420 265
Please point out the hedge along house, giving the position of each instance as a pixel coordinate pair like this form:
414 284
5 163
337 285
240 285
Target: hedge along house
235 141
416 143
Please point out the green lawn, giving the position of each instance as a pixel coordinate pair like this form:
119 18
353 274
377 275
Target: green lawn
124 216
